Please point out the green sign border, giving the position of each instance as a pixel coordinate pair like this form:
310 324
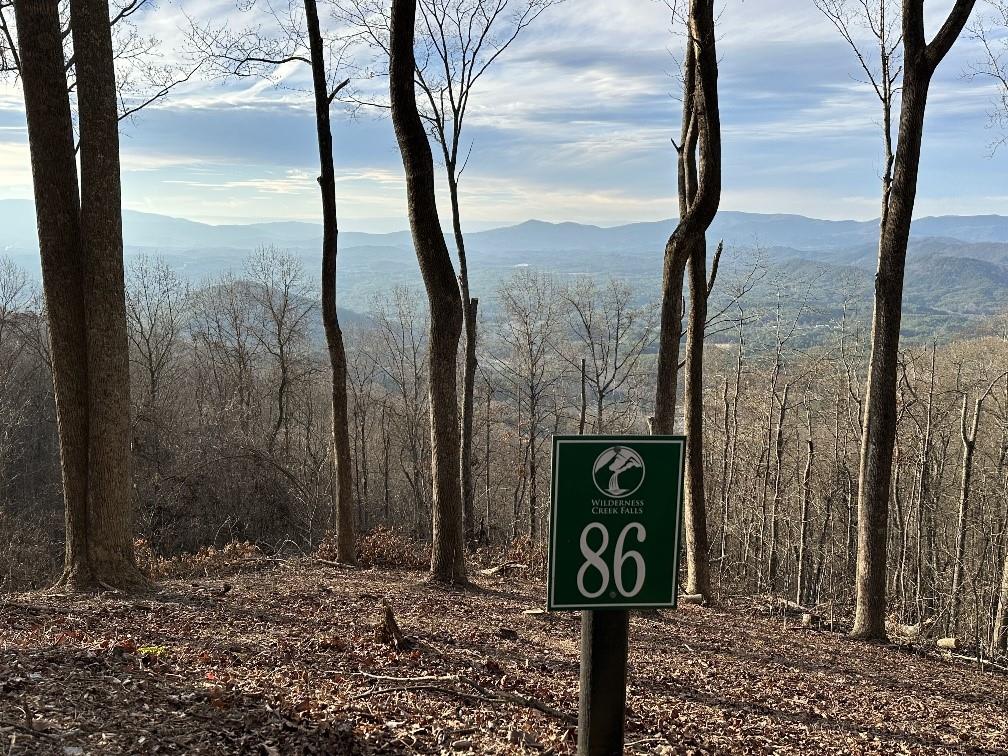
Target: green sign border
677 503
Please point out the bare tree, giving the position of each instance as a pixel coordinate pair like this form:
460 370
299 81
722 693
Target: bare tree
254 52
401 351
110 509
458 42
968 432
899 187
445 303
528 329
699 181
142 76
607 335
993 66
80 239
283 309
157 312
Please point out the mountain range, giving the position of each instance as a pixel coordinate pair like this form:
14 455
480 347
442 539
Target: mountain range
957 268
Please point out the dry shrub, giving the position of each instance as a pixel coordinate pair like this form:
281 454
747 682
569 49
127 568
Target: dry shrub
31 555
206 562
523 551
384 548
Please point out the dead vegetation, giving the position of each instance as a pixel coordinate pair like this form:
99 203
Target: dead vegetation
270 656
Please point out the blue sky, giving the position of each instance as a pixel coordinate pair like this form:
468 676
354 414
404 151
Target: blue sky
573 123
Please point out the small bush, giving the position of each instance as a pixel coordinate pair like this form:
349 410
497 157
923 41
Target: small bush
384 548
207 561
532 554
31 554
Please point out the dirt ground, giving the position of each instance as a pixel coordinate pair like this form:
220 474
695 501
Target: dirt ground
288 657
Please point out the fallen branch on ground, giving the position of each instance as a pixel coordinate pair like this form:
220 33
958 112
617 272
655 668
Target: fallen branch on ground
438 684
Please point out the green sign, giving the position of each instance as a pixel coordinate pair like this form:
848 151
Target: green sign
615 524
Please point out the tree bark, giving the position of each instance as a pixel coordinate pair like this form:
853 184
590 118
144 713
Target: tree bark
470 308
874 481
57 207
806 501
342 503
700 197
1000 643
773 561
695 515
447 557
110 510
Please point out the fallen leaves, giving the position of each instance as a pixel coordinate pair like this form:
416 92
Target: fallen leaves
293 658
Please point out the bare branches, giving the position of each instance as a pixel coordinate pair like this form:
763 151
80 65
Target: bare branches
880 59
142 75
261 51
9 59
457 42
881 21
163 81
992 34
249 52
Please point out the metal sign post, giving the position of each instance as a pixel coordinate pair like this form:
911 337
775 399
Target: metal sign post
614 545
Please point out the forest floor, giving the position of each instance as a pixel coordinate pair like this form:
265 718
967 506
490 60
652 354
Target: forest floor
270 656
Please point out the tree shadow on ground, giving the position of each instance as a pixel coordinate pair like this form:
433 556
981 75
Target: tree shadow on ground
74 700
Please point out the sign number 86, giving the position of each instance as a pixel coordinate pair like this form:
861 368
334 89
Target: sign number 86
593 560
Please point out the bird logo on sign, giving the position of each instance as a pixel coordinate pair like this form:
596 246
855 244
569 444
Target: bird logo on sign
618 471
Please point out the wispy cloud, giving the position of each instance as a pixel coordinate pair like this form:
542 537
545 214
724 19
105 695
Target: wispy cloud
573 123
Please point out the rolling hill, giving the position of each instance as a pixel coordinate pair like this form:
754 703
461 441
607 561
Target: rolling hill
957 267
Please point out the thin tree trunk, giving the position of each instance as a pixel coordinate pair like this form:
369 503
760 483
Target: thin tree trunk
806 502
584 398
1000 643
922 489
725 446
469 311
773 561
342 494
969 436
486 466
695 515
448 552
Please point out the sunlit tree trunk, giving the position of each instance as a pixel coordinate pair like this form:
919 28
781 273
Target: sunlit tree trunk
447 557
920 60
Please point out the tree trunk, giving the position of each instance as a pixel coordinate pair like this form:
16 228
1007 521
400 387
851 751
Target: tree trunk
342 501
447 553
57 207
110 510
469 367
969 435
879 423
533 489
695 515
699 196
773 561
806 501
469 311
922 491
1001 620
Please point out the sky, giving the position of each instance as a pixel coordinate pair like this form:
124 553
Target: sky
572 123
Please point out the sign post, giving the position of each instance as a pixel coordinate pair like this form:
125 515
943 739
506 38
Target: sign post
614 546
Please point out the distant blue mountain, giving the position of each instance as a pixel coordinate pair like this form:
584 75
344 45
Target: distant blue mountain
152 231
957 267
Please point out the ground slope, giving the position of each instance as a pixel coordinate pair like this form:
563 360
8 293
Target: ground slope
279 657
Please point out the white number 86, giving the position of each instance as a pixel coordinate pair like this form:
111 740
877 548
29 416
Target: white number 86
593 559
